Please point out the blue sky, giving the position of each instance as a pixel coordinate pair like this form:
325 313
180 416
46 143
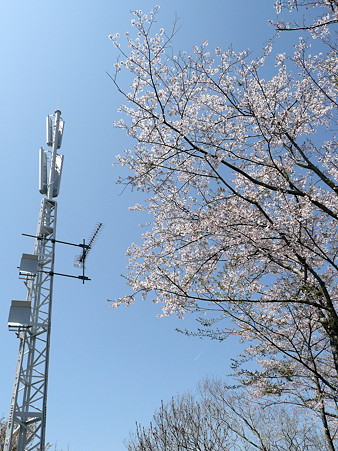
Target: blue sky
109 368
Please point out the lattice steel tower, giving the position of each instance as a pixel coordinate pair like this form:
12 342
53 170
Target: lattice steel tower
31 319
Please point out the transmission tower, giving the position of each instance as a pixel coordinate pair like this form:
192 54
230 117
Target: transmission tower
31 319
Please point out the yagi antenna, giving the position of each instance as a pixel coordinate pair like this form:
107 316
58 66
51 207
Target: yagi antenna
80 260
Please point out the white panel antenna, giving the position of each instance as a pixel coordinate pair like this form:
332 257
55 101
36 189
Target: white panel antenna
57 175
60 134
42 171
49 131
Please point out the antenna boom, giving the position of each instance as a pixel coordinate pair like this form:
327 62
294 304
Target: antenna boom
80 259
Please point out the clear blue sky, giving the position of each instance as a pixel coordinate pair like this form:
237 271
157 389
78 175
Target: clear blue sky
109 368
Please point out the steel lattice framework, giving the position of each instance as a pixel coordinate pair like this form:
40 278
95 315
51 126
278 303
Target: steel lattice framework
27 417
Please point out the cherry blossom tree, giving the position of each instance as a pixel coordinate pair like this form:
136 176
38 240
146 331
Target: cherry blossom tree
326 15
238 159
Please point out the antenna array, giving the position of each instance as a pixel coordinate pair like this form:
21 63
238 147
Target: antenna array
31 319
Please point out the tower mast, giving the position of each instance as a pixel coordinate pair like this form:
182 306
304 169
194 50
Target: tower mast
31 319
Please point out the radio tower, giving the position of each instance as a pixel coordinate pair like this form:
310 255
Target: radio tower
31 319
